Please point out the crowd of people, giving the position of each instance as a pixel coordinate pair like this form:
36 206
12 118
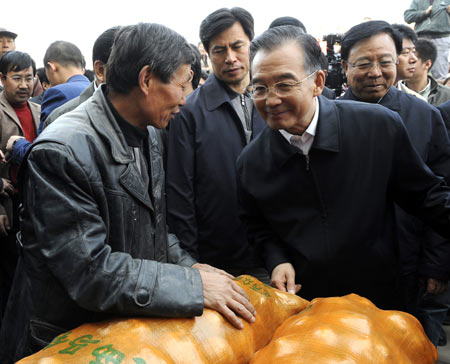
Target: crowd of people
143 190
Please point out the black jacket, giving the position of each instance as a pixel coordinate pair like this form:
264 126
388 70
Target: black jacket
95 242
422 250
204 141
332 214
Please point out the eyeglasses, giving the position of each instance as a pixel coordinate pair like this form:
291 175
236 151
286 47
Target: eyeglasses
281 89
366 66
18 79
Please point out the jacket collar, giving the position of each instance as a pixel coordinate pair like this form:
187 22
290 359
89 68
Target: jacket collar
391 100
9 110
108 129
327 136
216 93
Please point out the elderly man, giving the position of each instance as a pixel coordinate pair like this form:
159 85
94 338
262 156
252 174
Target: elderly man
318 187
7 41
204 140
94 235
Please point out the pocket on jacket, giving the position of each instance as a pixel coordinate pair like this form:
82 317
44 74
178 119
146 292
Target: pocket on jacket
42 334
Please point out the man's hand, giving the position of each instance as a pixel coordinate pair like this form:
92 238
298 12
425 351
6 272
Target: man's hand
7 186
10 142
209 268
4 225
283 278
223 295
448 8
2 157
433 286
428 11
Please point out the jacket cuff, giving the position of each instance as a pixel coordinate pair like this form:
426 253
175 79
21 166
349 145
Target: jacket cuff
169 290
178 255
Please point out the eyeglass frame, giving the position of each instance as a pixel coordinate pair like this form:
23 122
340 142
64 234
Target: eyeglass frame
293 85
369 65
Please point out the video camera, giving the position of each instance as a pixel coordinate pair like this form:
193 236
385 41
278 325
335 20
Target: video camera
335 76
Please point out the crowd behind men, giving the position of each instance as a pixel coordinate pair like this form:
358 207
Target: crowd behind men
146 190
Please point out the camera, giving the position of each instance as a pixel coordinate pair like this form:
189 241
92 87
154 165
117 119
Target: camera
335 77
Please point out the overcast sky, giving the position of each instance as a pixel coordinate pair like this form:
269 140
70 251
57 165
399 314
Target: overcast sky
39 23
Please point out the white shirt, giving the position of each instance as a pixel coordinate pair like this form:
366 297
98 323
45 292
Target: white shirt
304 141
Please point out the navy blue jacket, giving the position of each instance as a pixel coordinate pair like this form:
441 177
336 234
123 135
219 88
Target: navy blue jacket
333 217
428 135
204 141
445 112
53 97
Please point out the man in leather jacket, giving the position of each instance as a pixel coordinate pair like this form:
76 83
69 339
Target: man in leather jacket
94 238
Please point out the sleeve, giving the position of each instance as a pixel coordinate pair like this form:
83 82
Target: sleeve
72 235
435 260
259 232
178 255
21 147
414 14
180 180
415 187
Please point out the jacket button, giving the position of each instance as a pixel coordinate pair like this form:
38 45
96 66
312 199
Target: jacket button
142 296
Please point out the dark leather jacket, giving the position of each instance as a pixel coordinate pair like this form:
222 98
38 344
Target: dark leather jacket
95 243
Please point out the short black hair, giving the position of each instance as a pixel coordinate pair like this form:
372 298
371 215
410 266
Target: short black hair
103 44
366 30
15 61
405 32
222 19
42 75
426 50
287 20
278 36
137 46
196 66
64 53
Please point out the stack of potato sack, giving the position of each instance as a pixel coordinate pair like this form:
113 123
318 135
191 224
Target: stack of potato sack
208 339
348 330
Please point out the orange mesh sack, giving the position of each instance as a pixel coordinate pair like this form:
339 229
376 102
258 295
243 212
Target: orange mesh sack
205 339
350 330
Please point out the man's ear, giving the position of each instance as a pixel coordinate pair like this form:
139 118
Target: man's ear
3 79
319 82
344 66
428 64
146 78
52 65
100 71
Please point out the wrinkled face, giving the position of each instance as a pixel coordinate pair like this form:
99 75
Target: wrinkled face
18 85
163 100
371 67
6 44
406 61
229 54
284 66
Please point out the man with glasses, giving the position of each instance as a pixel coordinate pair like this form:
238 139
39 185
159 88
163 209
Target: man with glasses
204 140
20 118
317 188
370 52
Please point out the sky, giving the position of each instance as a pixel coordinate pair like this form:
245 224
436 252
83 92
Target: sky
39 23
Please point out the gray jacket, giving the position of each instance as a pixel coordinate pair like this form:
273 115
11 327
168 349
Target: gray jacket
438 93
95 243
435 25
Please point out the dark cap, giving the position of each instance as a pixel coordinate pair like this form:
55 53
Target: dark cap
6 32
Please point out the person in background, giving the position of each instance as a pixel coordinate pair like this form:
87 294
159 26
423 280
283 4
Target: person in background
431 20
100 54
64 65
204 140
422 81
45 83
7 41
18 117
